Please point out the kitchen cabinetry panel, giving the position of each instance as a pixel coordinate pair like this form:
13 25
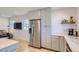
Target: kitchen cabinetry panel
46 27
58 43
55 43
48 43
62 44
47 40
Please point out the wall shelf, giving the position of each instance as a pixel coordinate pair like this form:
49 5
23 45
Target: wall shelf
69 23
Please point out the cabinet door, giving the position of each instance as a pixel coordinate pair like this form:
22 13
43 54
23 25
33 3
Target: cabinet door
55 43
43 37
46 28
62 44
48 43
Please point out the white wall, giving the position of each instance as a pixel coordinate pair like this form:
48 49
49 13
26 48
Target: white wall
19 34
23 34
4 23
58 15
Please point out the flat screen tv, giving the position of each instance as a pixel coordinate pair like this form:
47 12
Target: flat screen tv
18 25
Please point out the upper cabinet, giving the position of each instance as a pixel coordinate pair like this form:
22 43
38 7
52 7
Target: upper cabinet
34 14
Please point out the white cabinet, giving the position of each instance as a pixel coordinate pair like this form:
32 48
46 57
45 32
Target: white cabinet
55 43
58 43
47 40
45 27
62 44
46 43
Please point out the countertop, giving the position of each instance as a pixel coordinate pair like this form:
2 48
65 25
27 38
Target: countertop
6 42
73 42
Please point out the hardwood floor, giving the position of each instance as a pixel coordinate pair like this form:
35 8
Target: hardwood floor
23 47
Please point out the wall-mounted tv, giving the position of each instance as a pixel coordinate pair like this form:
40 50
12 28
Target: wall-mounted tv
18 25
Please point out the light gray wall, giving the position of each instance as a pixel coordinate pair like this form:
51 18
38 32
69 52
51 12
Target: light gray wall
19 34
58 16
4 23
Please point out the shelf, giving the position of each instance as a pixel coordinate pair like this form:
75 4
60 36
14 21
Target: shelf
67 23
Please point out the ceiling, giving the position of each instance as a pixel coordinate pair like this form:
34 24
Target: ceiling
12 11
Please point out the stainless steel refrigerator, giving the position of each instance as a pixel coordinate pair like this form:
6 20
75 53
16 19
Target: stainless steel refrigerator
34 30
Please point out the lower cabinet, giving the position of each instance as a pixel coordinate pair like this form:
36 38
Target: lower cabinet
54 42
58 43
62 44
46 42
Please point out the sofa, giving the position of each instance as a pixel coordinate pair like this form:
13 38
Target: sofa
3 33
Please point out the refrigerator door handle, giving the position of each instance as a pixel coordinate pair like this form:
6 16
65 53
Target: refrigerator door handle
30 30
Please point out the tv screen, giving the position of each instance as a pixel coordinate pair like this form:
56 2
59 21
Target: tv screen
18 25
